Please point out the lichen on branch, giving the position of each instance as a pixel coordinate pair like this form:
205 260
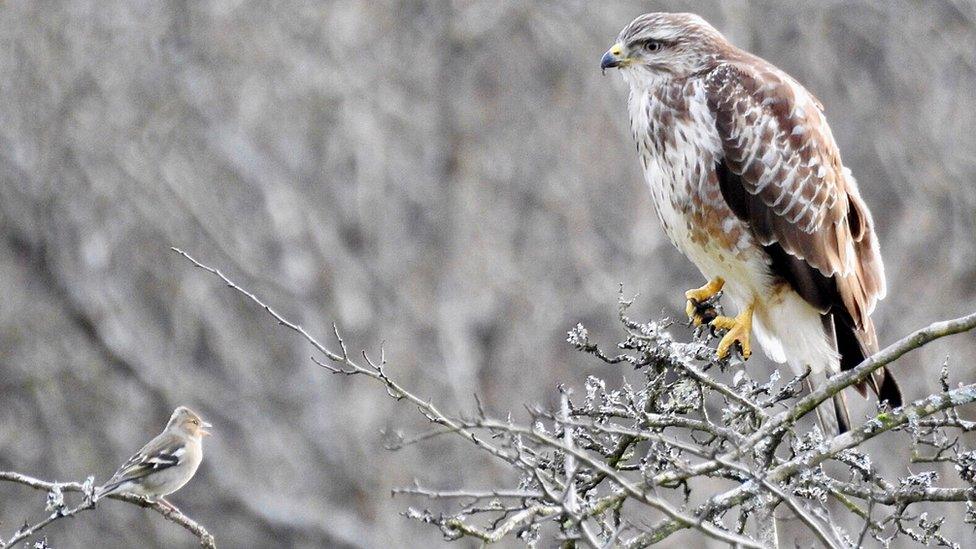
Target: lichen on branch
697 442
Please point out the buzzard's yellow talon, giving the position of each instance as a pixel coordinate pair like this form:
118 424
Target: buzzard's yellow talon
739 330
692 311
708 290
700 295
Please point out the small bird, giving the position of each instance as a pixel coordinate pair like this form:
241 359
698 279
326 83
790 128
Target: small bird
165 464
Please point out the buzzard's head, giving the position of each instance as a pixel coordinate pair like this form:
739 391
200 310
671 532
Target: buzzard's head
662 46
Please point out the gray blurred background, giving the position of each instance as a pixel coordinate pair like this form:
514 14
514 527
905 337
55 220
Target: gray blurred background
453 178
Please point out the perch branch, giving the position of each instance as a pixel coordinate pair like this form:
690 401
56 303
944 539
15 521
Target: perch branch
174 516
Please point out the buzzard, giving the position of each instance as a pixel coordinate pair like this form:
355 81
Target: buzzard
748 183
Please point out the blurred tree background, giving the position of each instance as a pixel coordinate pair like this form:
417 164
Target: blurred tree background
454 178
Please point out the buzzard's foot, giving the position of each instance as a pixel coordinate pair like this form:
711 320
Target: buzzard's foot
739 330
701 307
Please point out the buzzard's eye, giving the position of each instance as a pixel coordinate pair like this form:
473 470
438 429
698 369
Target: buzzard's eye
653 46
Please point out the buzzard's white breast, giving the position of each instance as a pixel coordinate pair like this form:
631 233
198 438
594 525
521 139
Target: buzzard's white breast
679 146
679 162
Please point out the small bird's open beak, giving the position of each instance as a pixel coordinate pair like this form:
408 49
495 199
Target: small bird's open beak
204 430
613 58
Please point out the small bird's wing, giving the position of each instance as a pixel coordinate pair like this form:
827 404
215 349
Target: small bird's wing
165 451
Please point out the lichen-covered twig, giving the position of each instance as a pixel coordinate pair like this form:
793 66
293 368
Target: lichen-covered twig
584 465
58 508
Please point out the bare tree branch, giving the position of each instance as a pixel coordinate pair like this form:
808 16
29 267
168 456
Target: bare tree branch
583 466
369 369
59 510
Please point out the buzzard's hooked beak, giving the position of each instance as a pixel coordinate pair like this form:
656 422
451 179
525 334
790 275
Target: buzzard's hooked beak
613 58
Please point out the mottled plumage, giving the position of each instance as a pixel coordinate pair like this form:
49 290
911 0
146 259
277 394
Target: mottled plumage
748 183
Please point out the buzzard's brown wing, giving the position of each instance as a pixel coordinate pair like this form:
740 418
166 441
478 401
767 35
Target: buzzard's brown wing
781 172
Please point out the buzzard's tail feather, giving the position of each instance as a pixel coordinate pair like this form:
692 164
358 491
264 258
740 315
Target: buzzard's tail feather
832 422
888 389
843 414
854 345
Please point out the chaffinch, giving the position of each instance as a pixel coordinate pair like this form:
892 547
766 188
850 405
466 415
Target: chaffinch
166 463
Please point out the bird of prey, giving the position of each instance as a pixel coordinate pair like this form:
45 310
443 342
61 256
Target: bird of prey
748 183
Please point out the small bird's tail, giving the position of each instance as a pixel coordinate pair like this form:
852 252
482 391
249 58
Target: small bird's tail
106 489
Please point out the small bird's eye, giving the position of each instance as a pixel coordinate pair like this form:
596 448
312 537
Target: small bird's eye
653 46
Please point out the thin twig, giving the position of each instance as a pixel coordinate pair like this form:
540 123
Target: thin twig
370 370
172 515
